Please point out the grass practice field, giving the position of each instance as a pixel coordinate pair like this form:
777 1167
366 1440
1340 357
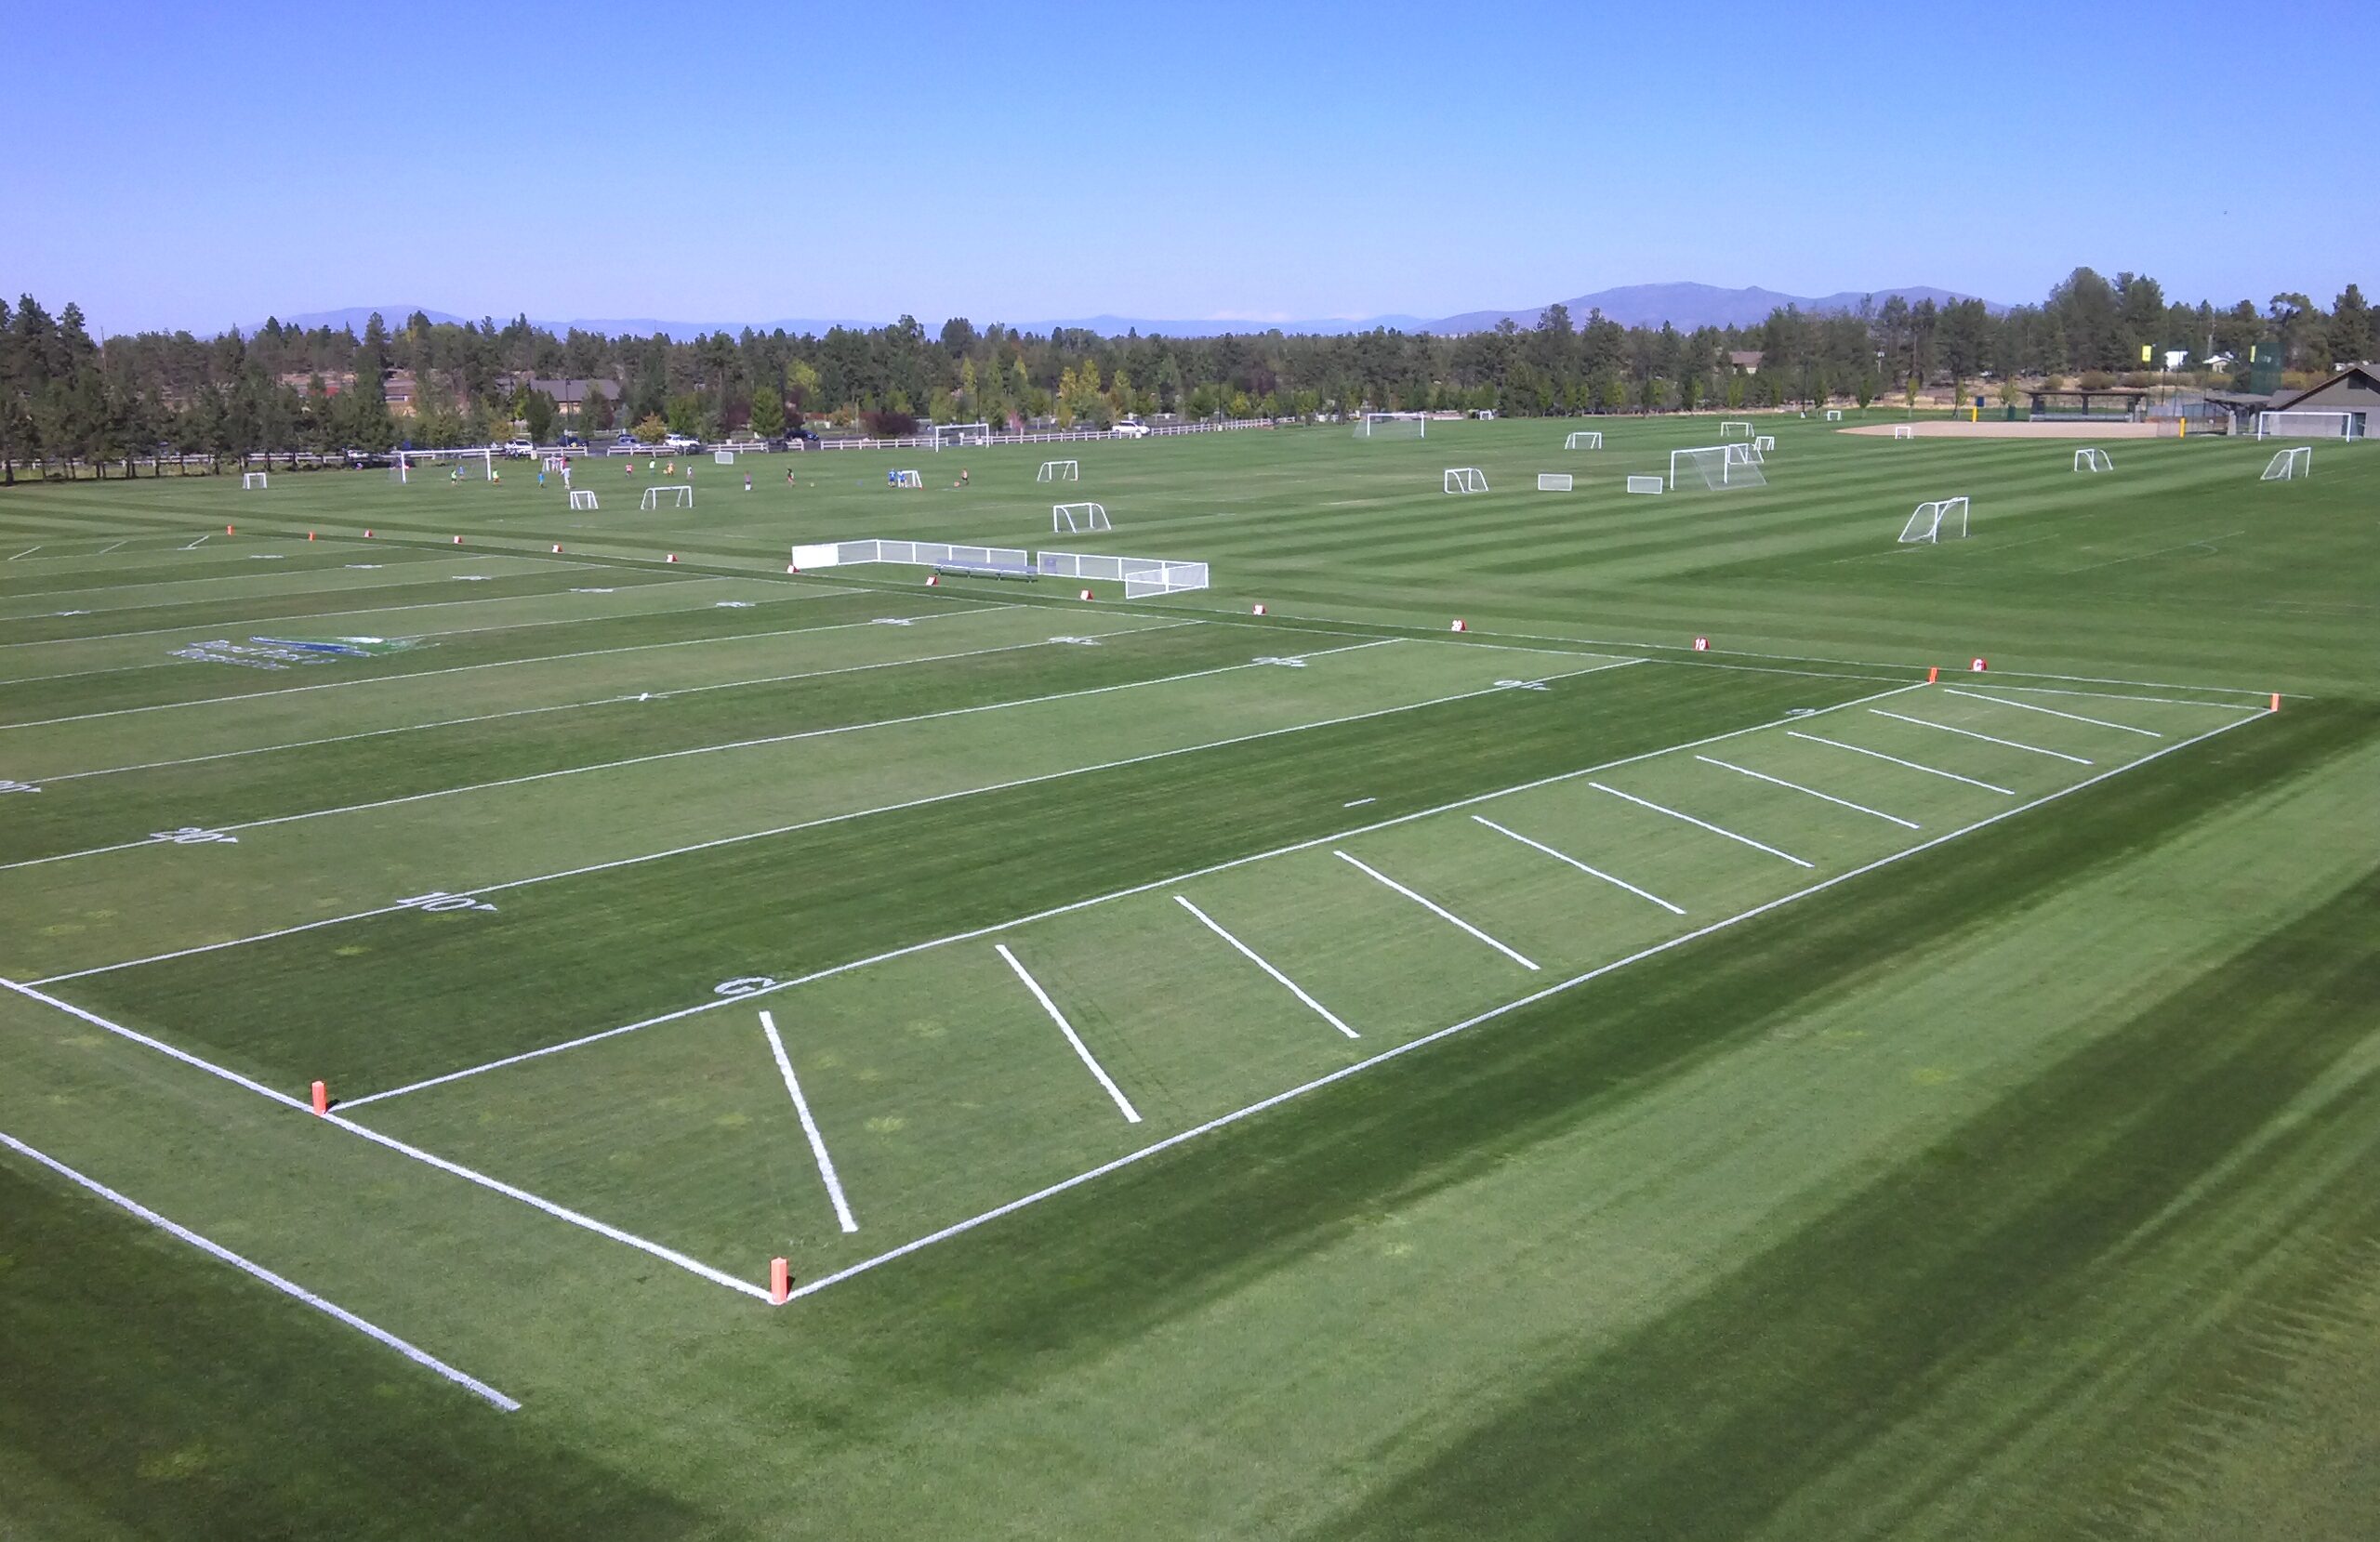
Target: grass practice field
1309 1075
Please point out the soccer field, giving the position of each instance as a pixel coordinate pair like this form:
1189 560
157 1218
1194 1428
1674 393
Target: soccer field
1688 1053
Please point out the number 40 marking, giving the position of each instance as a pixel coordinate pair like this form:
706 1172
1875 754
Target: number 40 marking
439 900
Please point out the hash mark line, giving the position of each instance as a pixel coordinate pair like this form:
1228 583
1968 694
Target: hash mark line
978 933
104 550
1359 803
1646 803
27 552
195 544
2070 717
1924 723
1440 911
1343 1073
1131 1115
1254 958
256 1271
809 1126
1930 770
1591 871
1828 798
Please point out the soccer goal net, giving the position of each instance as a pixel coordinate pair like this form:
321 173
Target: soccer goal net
904 479
1075 517
251 480
557 462
723 458
2093 460
1904 430
1390 426
1554 481
1944 519
1643 485
1585 439
475 465
1732 427
2289 465
1722 468
1764 442
1834 414
1059 470
1141 576
2302 425
1466 479
678 493
582 498
951 435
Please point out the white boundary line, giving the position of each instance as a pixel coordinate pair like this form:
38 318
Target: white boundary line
1082 1051
1325 1013
2070 717
978 933
1345 1072
1648 803
160 1045
1827 797
1591 871
1924 723
400 569
809 1128
1440 911
256 1271
1930 770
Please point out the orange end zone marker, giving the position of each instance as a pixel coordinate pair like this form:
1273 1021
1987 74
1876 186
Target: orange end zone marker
1933 674
2276 701
322 1099
309 536
226 530
780 1282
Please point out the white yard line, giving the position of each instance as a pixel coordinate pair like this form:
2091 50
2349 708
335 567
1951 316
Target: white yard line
1565 857
809 1128
1700 823
762 742
2070 717
1880 755
1343 1073
1824 797
2011 744
1435 909
1082 1051
195 544
256 1271
27 552
978 933
1325 1013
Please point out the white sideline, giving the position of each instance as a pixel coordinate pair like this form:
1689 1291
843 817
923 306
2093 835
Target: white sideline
256 1271
466 668
1254 958
511 883
761 743
1591 871
2070 717
1345 1072
1440 911
597 701
1082 1050
1827 797
402 574
1930 770
1923 722
1648 803
809 1128
978 933
160 1045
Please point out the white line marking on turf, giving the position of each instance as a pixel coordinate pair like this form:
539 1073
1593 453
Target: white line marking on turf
1828 797
104 550
978 933
1646 803
1923 722
1435 909
1591 871
809 1128
1345 1072
257 1271
27 552
1254 958
158 1045
1359 803
195 544
1131 1115
2070 717
1930 770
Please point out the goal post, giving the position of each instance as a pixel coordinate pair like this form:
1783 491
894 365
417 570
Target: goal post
723 458
1073 519
1945 519
2290 464
1554 481
1393 426
1058 470
1904 430
1834 414
582 498
1645 484
1466 479
252 480
2306 425
1733 425
1585 439
953 435
680 495
904 479
2093 459
1722 468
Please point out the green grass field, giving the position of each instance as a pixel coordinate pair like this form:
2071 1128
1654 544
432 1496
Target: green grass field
1308 1074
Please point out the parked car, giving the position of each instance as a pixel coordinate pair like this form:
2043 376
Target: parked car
681 443
517 449
1132 427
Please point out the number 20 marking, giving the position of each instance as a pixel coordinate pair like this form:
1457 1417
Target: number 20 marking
439 900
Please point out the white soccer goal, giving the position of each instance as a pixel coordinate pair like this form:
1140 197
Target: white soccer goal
1734 423
1585 439
680 495
583 498
1722 468
1075 517
1554 481
1834 414
904 479
1904 430
1764 442
250 480
2290 464
1391 426
1466 479
951 435
723 458
2090 459
1643 485
1943 520
1058 470
1141 576
557 462
2306 425
475 465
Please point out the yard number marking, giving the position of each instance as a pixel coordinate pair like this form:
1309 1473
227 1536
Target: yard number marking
191 835
439 900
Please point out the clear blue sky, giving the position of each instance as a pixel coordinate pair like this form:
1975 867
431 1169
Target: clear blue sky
186 165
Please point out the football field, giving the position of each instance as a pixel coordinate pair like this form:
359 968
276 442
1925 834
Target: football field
1765 1030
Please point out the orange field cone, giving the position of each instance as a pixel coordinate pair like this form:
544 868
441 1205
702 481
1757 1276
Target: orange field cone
2276 701
1933 674
322 1099
780 1282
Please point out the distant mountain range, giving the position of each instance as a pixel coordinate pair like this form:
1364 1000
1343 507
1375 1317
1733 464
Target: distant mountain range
1683 306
